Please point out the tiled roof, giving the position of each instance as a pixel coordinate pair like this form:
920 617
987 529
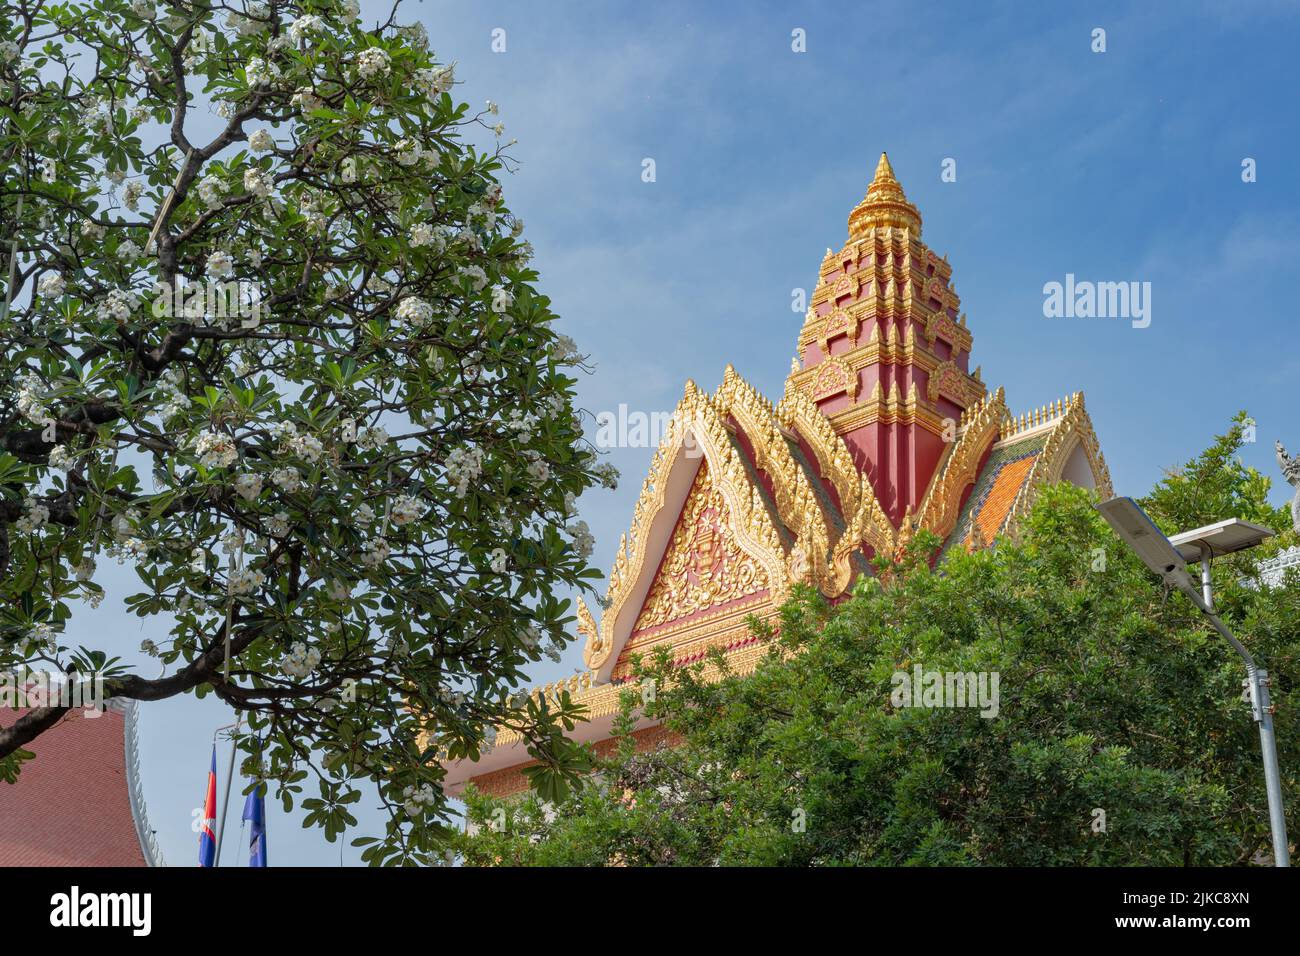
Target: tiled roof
999 481
72 803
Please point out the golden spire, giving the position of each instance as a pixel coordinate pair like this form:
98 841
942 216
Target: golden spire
884 205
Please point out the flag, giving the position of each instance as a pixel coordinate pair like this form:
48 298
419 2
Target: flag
255 814
207 838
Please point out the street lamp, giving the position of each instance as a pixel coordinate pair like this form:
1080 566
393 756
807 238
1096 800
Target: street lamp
1167 557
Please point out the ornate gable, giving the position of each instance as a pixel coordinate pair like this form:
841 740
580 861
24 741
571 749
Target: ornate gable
704 570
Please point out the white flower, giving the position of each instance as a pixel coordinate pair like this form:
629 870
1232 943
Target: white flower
414 310
375 437
51 285
283 432
363 515
499 560
277 526
564 350
260 73
258 182
220 265
128 251
307 447
31 401
375 552
584 542
261 141
84 570
34 517
287 478
608 475
305 25
349 11
339 590
539 469
248 486
245 581
415 801
48 169
422 234
408 152
9 51
118 304
432 82
477 277
61 458
149 647
348 172
211 189
131 195
144 10
493 108
372 62
464 465
215 449
300 661
42 635
404 509
306 100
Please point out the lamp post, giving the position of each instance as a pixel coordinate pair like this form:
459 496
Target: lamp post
1167 557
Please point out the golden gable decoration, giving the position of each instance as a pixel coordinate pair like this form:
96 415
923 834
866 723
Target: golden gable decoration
704 566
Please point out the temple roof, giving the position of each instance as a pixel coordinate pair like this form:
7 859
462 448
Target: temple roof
78 802
882 433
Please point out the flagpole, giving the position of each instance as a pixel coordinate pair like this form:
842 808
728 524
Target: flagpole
225 800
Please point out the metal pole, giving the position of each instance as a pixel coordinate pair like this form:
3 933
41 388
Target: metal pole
1262 710
225 800
1207 591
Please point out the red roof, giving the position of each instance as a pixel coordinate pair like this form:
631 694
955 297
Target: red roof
71 805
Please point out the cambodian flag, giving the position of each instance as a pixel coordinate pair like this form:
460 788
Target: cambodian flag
255 814
207 839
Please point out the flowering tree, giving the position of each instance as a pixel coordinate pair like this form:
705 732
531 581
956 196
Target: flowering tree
270 338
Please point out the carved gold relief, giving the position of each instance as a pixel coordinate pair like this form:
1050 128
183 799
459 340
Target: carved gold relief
704 565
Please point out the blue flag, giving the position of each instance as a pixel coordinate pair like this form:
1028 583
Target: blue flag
255 814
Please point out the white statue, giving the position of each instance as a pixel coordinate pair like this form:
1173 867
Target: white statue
1291 471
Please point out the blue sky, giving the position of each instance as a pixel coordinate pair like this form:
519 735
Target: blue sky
1119 166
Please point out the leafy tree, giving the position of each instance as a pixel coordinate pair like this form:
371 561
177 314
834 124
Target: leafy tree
270 338
1216 485
1115 698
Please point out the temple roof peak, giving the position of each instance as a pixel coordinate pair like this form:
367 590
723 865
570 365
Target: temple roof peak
884 205
884 172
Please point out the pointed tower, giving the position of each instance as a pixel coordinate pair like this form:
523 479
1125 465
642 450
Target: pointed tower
883 433
884 351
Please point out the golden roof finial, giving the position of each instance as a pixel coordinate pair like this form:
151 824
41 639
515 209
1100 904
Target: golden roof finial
884 172
885 205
